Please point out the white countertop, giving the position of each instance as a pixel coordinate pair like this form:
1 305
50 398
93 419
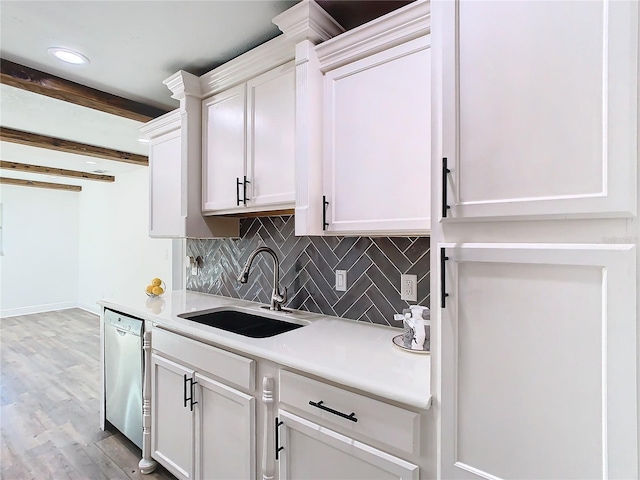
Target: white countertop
348 352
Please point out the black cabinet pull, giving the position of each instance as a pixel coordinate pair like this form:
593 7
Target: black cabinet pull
184 391
445 171
320 405
278 447
190 397
325 204
443 290
238 183
244 190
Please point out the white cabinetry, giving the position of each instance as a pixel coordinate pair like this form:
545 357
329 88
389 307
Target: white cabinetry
536 113
375 128
202 428
376 142
175 172
172 420
337 434
539 117
313 451
225 446
248 142
539 360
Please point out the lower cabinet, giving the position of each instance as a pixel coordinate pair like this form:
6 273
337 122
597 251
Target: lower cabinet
206 422
312 451
172 421
225 432
201 428
327 432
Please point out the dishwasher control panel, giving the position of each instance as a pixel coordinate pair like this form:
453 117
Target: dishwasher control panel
123 322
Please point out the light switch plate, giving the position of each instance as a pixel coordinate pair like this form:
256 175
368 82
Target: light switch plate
409 288
341 280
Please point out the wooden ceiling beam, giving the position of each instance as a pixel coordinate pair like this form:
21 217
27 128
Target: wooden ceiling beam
29 183
61 172
25 78
69 146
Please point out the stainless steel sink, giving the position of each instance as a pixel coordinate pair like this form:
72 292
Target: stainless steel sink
242 323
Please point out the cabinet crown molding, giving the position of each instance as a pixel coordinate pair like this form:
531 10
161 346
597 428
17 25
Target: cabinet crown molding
161 125
248 65
397 27
307 21
183 83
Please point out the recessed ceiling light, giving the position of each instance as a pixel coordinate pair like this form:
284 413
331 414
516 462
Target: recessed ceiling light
89 162
68 56
143 140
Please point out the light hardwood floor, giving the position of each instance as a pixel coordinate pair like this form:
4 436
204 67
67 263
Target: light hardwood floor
49 403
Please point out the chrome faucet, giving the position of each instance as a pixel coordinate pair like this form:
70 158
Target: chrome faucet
277 299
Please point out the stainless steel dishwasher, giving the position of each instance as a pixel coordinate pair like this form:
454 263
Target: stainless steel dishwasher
123 373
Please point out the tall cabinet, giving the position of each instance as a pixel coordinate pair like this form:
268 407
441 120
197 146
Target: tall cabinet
535 152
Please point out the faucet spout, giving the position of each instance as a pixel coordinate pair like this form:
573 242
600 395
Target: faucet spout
277 298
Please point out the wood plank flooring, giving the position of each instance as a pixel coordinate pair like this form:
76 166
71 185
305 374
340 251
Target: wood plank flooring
49 403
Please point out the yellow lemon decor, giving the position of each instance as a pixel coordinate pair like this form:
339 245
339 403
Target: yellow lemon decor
155 288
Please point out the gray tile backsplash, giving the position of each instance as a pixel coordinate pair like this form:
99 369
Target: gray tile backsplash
308 266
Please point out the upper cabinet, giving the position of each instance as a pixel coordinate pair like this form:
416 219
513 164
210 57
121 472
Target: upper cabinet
248 144
364 150
560 95
174 174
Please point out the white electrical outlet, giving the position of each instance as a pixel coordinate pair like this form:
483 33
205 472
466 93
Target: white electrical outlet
409 288
341 280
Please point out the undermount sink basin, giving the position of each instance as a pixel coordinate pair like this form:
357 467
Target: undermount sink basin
246 324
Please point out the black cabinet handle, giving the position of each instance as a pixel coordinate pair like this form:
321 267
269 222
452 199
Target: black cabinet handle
244 190
320 405
190 397
278 447
238 183
445 171
443 276
325 204
184 391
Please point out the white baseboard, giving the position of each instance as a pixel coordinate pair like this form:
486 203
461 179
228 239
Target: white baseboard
14 312
91 308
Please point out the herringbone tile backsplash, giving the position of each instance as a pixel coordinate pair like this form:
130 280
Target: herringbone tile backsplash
308 266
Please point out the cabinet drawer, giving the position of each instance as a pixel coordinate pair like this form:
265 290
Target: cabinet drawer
393 426
234 369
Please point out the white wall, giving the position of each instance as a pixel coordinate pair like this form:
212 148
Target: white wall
39 269
116 253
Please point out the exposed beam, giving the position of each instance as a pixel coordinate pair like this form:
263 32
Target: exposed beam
69 146
25 167
19 76
29 183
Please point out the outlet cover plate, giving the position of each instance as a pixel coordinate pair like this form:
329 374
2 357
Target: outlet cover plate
409 288
341 280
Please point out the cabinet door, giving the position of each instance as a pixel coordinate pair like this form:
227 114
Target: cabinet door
271 136
172 424
311 451
539 108
223 129
538 362
377 142
226 432
165 205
